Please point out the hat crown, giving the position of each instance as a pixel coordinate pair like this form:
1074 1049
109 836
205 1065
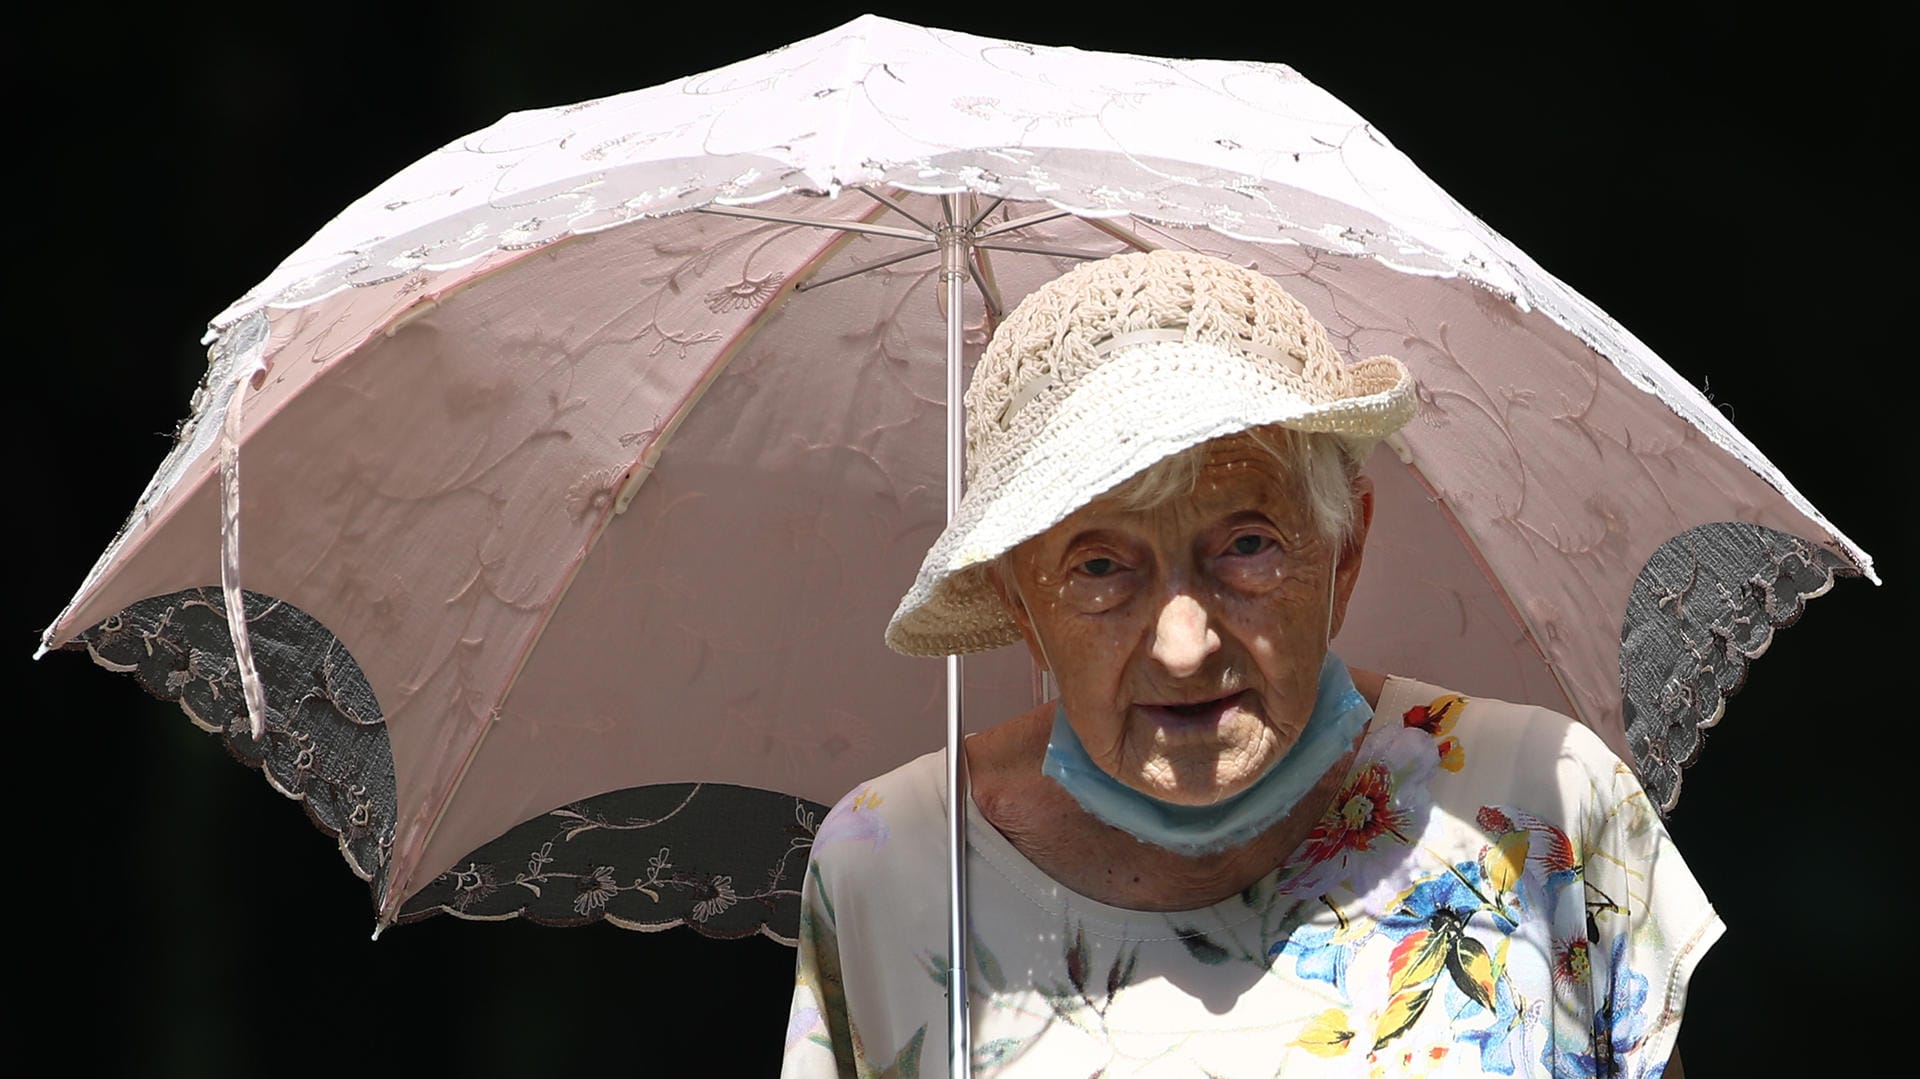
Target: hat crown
1071 326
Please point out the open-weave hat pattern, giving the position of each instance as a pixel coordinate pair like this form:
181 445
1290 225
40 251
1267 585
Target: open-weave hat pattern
1100 373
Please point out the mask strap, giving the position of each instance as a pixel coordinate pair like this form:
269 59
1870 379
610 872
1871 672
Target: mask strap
1033 627
1333 586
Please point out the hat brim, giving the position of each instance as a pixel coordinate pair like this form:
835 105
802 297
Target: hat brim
1145 403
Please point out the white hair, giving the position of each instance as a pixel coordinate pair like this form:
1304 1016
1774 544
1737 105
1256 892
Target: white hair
1329 464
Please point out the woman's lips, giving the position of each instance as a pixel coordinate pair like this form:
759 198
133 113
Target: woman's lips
1194 714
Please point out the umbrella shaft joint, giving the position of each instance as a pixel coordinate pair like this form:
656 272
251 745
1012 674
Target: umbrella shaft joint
955 242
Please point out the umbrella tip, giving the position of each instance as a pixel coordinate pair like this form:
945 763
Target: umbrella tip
383 917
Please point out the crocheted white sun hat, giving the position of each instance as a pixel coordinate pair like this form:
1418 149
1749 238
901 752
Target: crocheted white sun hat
1105 370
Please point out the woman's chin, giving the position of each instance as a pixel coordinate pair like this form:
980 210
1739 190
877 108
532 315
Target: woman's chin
1195 779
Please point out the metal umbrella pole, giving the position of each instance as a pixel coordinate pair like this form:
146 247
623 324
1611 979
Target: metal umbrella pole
958 239
955 249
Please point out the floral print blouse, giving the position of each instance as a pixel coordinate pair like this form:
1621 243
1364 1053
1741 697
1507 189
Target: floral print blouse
1490 893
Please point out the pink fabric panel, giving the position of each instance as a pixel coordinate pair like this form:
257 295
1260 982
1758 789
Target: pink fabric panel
727 628
180 511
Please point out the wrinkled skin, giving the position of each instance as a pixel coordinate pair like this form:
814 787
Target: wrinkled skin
1187 638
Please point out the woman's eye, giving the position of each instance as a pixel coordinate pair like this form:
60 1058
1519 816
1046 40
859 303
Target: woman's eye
1249 544
1099 584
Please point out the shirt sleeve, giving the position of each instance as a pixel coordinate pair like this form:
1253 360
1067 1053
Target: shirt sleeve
819 1038
1648 922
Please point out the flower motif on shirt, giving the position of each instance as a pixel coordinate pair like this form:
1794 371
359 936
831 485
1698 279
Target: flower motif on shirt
1327 1034
1435 965
1381 809
1495 1041
1437 718
1526 850
855 817
1323 950
1572 964
1086 995
1429 924
1619 1027
1436 1061
805 1021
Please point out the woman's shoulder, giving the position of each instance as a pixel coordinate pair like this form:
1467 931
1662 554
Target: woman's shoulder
888 817
1532 728
1491 751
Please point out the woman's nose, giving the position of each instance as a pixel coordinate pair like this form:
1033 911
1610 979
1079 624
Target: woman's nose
1182 638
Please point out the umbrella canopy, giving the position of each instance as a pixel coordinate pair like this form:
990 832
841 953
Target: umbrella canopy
254 532
597 493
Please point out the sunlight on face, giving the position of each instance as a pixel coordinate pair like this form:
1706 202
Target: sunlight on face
1187 638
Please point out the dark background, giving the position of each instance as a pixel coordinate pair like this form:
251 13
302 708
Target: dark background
1721 186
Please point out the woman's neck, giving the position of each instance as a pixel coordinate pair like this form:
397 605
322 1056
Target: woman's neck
1101 862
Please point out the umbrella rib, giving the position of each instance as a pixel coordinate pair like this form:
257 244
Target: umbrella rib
988 291
1056 252
1023 222
982 216
1124 235
895 207
818 282
811 222
1529 632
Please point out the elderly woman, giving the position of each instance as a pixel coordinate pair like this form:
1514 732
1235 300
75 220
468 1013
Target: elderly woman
1221 852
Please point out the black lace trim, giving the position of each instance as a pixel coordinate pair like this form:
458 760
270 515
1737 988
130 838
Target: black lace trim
325 742
726 861
1704 606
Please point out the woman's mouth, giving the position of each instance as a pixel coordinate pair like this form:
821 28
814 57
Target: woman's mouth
1190 713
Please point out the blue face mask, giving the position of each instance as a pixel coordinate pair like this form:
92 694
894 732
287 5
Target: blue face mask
1339 713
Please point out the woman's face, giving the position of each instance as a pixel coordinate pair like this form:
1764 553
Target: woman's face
1187 639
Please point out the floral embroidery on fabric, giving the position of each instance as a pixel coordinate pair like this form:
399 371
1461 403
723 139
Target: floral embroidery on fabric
593 889
720 895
